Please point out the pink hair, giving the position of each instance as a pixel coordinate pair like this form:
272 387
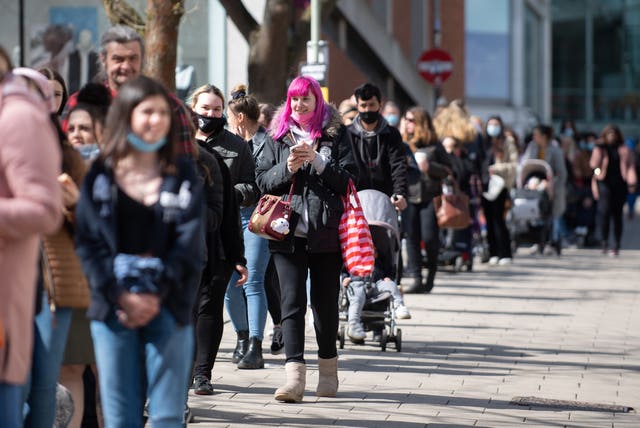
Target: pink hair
301 86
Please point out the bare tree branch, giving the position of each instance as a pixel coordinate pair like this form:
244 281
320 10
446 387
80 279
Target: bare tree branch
241 17
120 12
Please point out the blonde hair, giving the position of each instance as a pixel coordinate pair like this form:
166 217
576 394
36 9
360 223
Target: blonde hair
454 121
204 89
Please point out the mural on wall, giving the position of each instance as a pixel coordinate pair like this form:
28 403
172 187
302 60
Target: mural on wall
67 44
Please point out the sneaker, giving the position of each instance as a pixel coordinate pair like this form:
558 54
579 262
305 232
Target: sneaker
402 312
356 333
494 260
377 335
202 386
614 253
187 416
277 342
505 261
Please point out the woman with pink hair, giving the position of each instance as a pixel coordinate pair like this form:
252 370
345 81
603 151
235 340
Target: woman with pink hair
310 151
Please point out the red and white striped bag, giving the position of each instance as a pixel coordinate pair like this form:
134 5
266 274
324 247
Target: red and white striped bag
355 236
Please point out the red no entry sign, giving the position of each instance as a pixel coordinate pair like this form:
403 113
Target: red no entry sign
435 66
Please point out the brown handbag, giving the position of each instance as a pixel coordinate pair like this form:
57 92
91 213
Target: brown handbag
452 209
62 273
270 219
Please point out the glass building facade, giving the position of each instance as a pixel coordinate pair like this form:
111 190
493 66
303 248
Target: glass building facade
596 63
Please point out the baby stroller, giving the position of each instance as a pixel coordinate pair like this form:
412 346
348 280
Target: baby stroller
378 314
530 214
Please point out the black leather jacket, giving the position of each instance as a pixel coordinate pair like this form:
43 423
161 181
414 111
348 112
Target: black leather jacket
321 191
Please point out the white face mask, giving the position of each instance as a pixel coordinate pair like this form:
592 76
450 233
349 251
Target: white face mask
493 130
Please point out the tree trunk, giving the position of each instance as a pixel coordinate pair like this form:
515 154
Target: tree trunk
161 40
268 66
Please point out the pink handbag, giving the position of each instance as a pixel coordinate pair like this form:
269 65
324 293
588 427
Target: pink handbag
270 219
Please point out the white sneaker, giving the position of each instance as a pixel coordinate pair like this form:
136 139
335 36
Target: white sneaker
534 250
402 312
356 332
505 261
494 260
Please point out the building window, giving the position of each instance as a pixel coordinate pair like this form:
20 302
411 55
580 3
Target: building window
533 66
596 61
487 54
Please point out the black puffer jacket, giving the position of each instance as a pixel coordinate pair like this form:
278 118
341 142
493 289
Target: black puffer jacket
238 158
321 191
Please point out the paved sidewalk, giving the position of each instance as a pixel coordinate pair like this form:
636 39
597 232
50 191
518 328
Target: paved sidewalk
556 328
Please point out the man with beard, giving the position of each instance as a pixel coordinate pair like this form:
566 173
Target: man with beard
378 148
382 160
121 60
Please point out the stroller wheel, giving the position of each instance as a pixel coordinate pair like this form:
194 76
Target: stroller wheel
383 340
398 340
341 337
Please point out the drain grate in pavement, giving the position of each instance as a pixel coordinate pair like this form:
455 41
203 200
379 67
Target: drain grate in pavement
569 405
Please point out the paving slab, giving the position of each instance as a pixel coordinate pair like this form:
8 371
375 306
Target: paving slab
556 328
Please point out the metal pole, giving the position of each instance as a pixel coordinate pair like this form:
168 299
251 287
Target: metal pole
436 44
436 24
315 30
21 30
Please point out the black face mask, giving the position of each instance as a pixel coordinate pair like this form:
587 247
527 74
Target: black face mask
211 124
369 117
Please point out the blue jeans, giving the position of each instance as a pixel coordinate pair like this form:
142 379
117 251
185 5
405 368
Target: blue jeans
10 408
49 342
252 314
157 356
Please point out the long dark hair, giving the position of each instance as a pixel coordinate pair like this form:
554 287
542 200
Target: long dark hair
616 131
54 75
118 123
5 63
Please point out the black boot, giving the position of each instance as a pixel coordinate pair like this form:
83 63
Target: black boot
413 285
431 276
253 358
241 346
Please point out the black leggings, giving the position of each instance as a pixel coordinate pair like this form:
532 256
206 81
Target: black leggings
610 203
324 269
209 321
272 289
420 224
498 236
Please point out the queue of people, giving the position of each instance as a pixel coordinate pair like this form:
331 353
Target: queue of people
136 211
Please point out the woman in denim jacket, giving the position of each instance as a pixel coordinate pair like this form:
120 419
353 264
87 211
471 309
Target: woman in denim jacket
139 235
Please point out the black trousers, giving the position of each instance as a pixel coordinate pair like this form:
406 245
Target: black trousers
498 236
208 314
419 221
272 289
324 271
610 204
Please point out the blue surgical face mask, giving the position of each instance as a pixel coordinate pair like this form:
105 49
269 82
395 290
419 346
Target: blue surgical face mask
140 145
393 119
493 130
89 151
568 132
587 145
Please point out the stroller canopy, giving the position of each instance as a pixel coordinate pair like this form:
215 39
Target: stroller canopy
534 167
379 211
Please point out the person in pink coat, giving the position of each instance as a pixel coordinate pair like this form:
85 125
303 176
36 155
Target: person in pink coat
30 199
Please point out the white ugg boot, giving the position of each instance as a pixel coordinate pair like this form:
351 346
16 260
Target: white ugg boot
293 389
327 377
